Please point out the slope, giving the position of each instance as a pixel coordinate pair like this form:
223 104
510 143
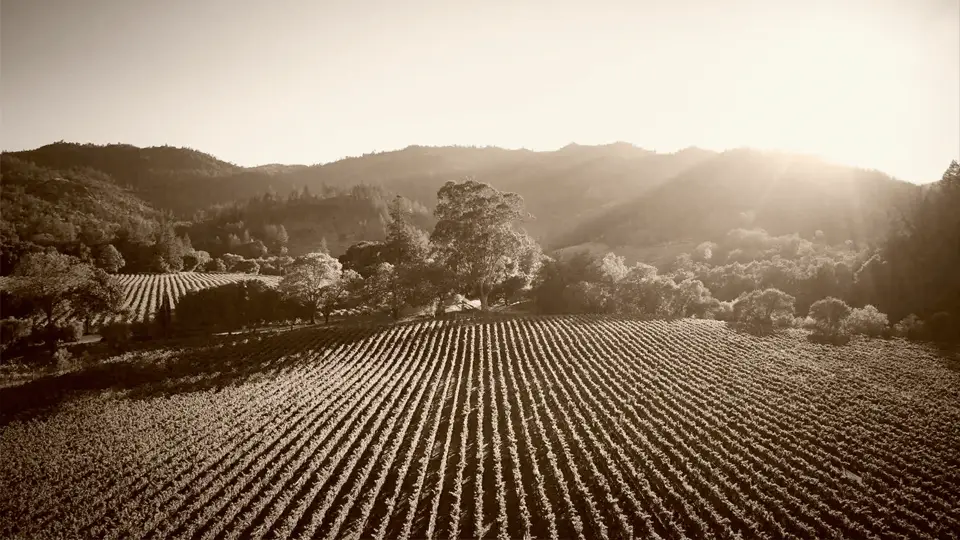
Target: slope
560 188
783 193
44 206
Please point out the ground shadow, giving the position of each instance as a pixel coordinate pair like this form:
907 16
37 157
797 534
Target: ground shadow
171 367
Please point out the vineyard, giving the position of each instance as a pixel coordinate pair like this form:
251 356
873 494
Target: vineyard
144 293
547 427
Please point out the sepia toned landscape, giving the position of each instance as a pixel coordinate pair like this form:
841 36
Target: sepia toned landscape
504 270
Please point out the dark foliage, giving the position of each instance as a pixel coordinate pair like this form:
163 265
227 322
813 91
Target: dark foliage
916 269
247 303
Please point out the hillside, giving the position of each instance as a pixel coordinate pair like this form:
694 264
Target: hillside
562 427
560 187
41 206
615 195
782 193
336 218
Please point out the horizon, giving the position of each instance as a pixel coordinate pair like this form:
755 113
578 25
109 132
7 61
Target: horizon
871 85
799 155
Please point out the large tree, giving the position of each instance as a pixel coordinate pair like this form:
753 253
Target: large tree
53 283
315 280
763 310
916 270
49 282
828 315
99 295
475 235
110 259
400 280
405 243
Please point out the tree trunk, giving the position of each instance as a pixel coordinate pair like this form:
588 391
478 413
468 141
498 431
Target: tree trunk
484 295
326 317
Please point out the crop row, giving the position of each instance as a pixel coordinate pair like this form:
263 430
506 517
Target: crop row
554 427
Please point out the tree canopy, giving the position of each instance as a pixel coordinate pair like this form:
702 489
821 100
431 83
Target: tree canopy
315 280
475 234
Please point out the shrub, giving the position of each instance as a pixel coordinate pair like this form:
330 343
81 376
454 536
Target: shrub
13 331
62 358
828 315
247 266
68 332
216 265
942 326
230 260
867 321
117 335
764 310
723 311
911 327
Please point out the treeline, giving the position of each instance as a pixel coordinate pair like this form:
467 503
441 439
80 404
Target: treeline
475 250
749 277
906 284
84 213
302 222
51 298
910 278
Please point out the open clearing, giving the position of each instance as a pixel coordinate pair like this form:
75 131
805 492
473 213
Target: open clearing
562 427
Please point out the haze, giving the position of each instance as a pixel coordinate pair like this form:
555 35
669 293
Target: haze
866 83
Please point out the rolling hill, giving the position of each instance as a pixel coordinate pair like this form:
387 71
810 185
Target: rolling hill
615 196
560 188
782 193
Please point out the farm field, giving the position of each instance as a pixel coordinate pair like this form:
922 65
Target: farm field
144 292
509 427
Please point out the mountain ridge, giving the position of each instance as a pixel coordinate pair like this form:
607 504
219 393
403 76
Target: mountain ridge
615 194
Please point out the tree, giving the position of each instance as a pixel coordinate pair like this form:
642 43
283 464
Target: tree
646 294
828 316
556 275
247 266
338 293
437 283
168 250
256 249
282 237
919 259
364 257
405 244
762 310
216 265
163 319
588 297
276 237
110 259
100 295
385 290
475 235
867 320
231 260
195 260
694 299
50 283
309 279
612 268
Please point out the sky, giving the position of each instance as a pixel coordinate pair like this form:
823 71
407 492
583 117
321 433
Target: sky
869 83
